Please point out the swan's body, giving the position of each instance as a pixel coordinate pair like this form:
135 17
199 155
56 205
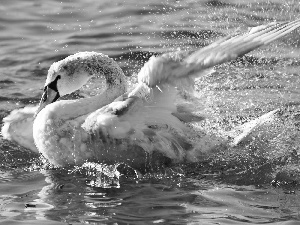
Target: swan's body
105 128
131 127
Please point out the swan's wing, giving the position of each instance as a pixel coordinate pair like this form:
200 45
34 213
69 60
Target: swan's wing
180 68
167 68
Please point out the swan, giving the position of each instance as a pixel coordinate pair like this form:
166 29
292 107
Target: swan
137 127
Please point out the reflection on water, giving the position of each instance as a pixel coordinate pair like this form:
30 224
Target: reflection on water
254 183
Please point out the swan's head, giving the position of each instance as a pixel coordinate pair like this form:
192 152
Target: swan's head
71 73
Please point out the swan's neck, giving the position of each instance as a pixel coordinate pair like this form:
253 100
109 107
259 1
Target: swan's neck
69 109
83 66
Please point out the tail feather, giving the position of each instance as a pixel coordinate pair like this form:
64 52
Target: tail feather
18 127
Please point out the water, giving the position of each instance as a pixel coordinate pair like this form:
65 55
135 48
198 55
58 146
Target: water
255 183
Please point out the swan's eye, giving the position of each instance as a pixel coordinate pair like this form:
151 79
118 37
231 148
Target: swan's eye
53 84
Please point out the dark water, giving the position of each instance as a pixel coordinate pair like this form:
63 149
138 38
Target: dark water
254 184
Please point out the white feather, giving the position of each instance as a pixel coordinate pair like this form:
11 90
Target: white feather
18 127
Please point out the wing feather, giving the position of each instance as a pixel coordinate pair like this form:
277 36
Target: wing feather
167 68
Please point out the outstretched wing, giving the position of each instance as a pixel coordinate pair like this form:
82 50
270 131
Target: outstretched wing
181 67
167 68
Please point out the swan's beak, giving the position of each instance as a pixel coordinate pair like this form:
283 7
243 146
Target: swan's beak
48 97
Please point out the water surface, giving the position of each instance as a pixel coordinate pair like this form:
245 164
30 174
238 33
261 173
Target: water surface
253 184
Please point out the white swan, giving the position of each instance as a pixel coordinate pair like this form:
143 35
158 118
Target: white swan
133 127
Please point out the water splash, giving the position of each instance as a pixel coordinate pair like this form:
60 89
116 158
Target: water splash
105 176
